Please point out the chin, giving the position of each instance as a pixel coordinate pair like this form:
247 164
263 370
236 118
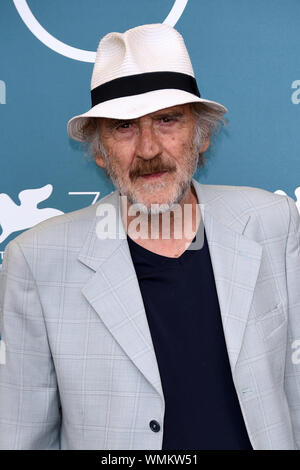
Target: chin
156 207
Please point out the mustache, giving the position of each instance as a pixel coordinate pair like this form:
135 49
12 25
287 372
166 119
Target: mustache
150 166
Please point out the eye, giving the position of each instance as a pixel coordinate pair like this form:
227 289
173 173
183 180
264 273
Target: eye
124 125
168 119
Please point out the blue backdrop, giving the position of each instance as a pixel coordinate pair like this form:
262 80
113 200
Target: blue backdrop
245 55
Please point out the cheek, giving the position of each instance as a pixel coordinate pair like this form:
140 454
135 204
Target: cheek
176 145
122 155
170 142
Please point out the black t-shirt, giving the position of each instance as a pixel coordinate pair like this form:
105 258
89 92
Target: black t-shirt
202 410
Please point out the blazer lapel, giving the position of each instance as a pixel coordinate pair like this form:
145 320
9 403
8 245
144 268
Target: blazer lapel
113 291
235 260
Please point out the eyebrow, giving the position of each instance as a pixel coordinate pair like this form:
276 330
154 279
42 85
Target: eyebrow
170 114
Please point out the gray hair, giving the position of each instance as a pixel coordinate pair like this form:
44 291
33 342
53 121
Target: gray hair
208 119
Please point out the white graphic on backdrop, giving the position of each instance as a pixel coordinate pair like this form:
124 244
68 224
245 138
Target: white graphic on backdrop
72 52
86 193
296 94
2 92
297 194
14 217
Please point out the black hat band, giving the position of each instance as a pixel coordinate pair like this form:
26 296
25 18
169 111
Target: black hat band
142 83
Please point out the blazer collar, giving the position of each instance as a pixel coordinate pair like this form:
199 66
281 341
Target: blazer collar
113 288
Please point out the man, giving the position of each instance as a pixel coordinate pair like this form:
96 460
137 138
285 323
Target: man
115 341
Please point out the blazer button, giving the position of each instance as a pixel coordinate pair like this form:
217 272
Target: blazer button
154 425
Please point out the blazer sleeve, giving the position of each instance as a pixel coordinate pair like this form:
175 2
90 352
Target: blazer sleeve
292 368
30 411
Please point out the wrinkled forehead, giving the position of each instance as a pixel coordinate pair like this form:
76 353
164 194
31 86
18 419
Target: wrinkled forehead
180 109
175 111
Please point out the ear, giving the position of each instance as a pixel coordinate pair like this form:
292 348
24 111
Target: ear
205 145
100 160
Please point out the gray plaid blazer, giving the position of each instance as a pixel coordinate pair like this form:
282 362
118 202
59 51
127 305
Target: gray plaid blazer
80 370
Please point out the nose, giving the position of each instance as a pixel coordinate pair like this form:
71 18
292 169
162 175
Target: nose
148 145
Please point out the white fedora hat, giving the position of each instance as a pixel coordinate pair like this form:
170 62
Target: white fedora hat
145 69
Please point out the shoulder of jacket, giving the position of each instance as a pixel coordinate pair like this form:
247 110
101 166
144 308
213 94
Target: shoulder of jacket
235 204
231 191
243 198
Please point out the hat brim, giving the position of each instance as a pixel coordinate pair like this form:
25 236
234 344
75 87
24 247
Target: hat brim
135 106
